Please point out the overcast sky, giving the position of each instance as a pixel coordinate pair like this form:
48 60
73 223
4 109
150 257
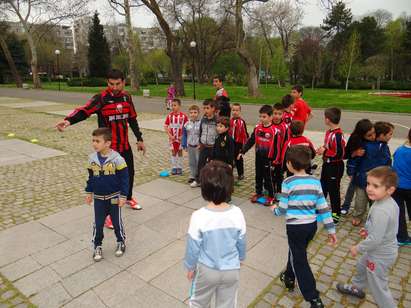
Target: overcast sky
313 14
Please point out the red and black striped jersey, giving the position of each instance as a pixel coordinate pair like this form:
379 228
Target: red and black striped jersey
334 144
300 140
284 128
287 117
238 130
115 111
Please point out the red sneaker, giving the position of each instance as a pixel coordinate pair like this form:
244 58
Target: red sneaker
108 223
134 204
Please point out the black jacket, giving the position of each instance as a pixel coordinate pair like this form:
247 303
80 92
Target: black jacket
223 149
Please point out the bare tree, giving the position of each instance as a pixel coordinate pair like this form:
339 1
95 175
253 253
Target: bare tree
30 12
8 56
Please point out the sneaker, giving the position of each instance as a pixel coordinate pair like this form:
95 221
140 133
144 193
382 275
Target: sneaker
108 223
406 242
121 248
345 209
255 197
134 204
190 180
98 254
269 201
179 171
316 303
174 171
336 218
194 184
349 289
241 177
288 283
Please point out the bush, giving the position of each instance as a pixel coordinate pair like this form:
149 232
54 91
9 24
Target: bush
360 85
87 82
332 84
395 85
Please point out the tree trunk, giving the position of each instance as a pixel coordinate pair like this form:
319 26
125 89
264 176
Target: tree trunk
133 69
177 73
34 61
392 64
10 61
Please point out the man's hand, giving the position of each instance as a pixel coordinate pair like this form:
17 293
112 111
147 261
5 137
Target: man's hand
320 150
363 233
354 250
190 275
89 199
121 202
332 239
62 125
141 147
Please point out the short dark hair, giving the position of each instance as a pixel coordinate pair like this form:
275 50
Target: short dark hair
298 88
177 100
299 157
104 132
409 136
224 120
266 109
333 114
382 128
278 106
209 102
236 104
287 100
217 182
115 74
297 128
387 176
218 77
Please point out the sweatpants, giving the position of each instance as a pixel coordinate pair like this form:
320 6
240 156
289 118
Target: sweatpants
278 177
349 196
205 154
193 155
239 163
209 282
299 236
403 199
372 272
102 208
331 175
128 157
263 175
361 203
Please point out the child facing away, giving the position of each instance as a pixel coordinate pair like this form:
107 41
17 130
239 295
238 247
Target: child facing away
267 141
376 154
287 101
216 241
303 204
333 165
208 134
379 248
108 185
238 131
191 140
173 126
301 110
171 95
402 195
223 149
364 131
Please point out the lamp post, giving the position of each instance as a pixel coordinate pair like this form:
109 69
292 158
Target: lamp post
57 53
193 45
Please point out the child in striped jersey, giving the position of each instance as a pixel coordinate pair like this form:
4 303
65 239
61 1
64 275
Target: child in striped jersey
303 204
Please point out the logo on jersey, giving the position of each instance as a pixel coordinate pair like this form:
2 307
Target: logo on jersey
267 135
119 108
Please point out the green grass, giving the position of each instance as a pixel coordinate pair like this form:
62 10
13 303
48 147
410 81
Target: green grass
317 98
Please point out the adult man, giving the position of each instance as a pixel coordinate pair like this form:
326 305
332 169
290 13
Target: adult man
115 110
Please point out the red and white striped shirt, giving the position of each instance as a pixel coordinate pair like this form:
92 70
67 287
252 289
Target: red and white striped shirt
175 124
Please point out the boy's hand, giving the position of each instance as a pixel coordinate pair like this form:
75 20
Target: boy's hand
360 152
239 156
320 150
354 250
273 207
89 199
121 202
190 275
62 125
363 233
332 239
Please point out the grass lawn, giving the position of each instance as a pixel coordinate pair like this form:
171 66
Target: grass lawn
317 98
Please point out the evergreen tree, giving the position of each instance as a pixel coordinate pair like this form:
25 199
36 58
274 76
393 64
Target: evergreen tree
99 61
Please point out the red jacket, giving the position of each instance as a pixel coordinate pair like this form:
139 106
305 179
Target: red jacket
287 117
284 128
238 130
301 110
334 144
300 140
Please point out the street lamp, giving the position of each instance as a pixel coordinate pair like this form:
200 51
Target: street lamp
57 53
193 45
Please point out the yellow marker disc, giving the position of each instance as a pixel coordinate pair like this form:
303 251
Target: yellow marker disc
11 135
34 140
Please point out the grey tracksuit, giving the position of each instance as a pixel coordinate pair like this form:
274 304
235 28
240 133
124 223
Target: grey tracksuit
192 132
380 250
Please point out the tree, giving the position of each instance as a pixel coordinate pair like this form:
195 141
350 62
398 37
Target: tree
372 37
5 41
382 17
394 34
159 63
375 68
98 51
349 56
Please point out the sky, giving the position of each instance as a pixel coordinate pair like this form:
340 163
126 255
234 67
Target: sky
313 13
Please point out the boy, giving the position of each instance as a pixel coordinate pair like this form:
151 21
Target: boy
376 154
267 140
287 102
218 84
333 164
303 204
108 185
223 106
238 131
379 247
301 110
208 133
216 241
191 139
173 126
223 149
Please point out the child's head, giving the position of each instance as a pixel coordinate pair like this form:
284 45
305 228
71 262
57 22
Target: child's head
217 82
383 131
332 116
287 101
193 112
266 115
278 110
217 182
364 130
223 124
381 183
236 110
209 108
298 158
176 105
297 128
101 139
297 91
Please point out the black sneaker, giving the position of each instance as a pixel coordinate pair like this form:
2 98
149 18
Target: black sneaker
98 254
349 289
345 209
288 282
316 303
241 177
336 218
121 248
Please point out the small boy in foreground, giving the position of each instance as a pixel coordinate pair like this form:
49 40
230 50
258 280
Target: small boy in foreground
223 149
303 204
108 185
379 247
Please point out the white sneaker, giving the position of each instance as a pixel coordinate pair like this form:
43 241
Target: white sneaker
194 184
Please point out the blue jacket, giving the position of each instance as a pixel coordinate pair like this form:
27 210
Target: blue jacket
377 154
402 165
109 180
